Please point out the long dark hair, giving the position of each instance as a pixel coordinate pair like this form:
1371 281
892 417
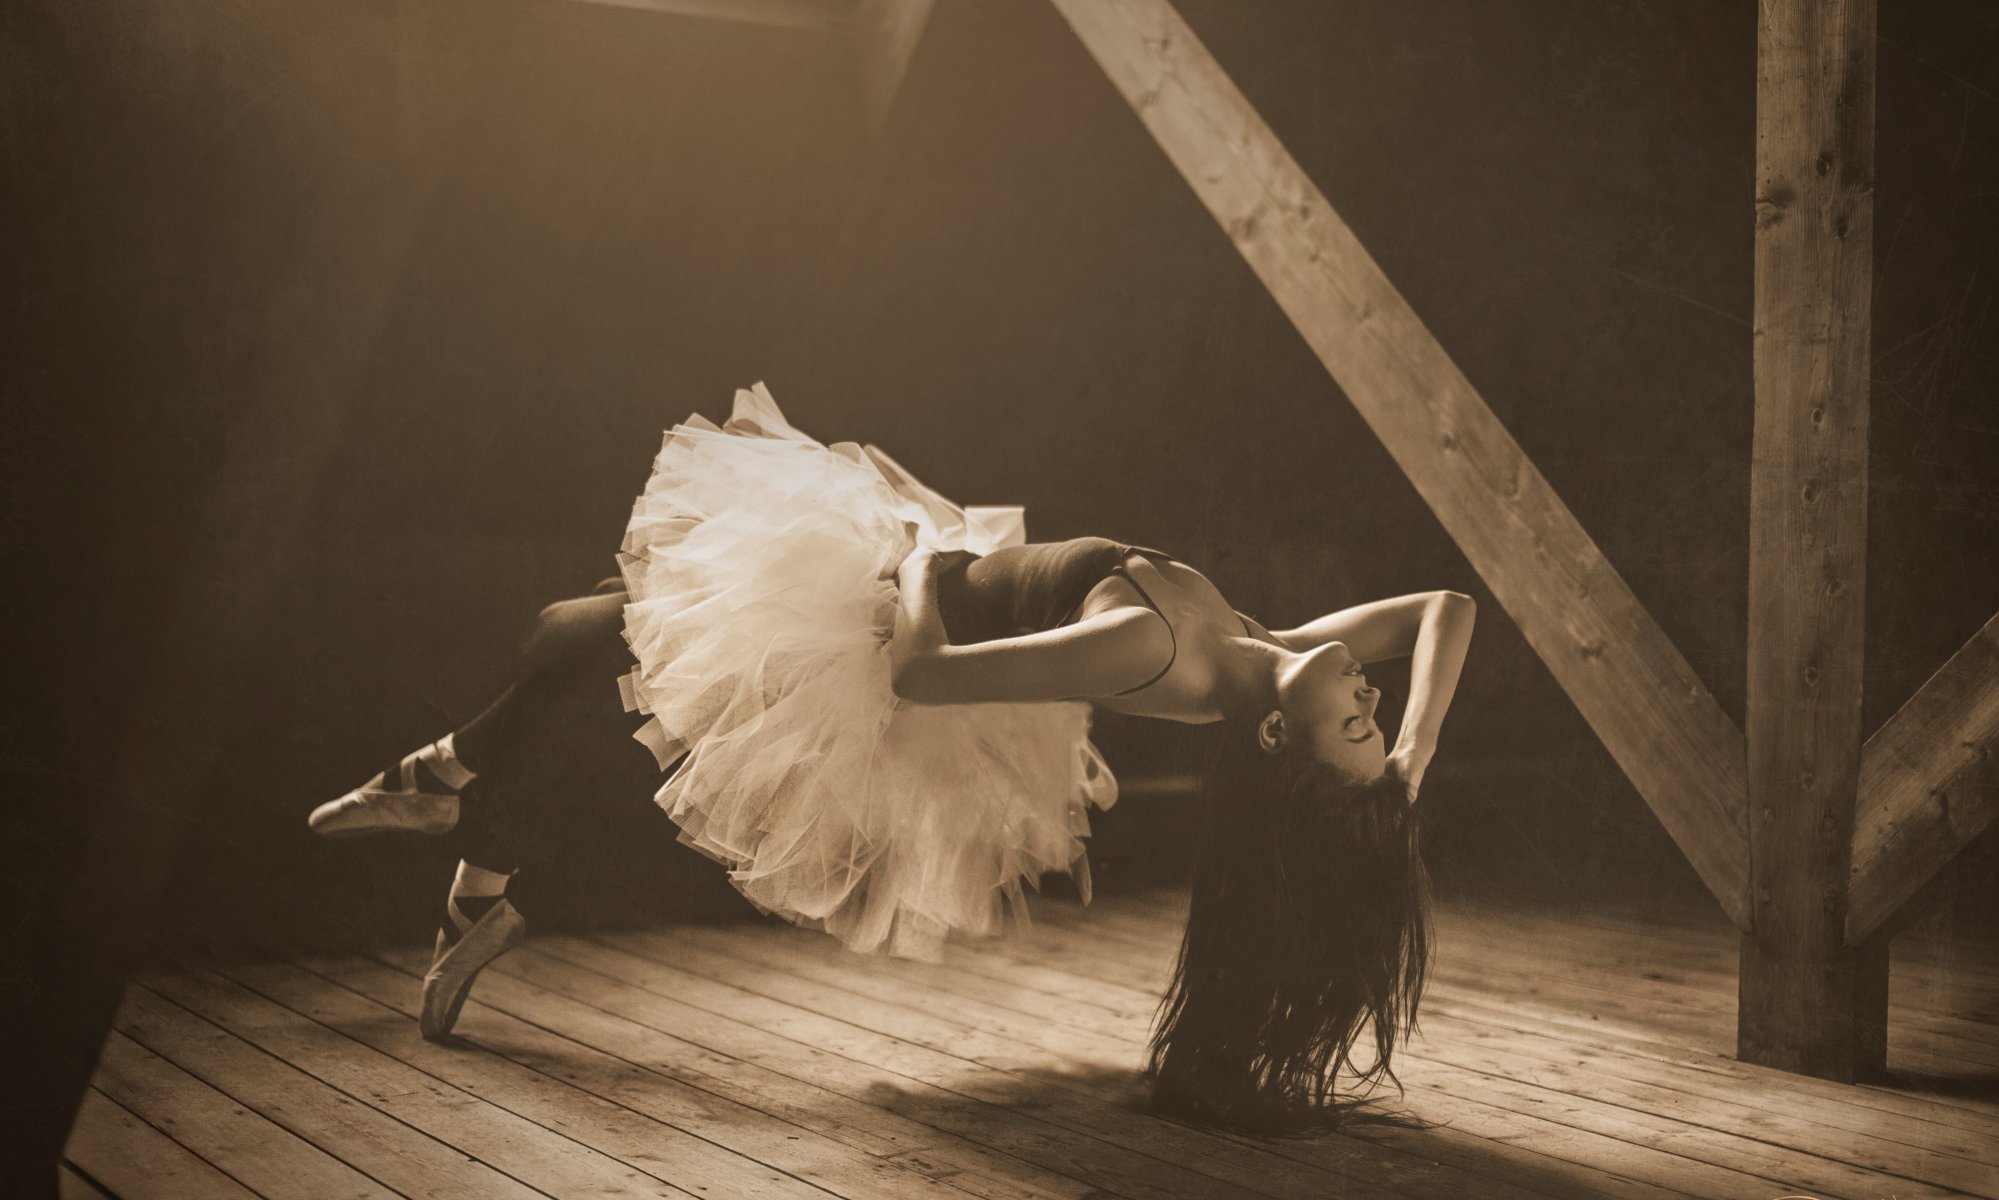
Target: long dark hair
1309 927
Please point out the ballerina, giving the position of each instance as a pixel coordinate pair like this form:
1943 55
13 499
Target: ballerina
875 704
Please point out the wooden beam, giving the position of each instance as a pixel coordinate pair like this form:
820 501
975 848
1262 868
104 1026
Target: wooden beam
817 16
1802 988
1929 784
886 33
1656 717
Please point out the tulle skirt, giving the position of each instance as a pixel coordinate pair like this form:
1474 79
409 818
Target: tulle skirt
760 565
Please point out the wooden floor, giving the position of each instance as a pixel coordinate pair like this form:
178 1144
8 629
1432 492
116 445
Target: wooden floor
1559 1056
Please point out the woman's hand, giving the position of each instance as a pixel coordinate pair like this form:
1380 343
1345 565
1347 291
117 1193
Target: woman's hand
1443 634
893 567
919 627
1406 765
916 567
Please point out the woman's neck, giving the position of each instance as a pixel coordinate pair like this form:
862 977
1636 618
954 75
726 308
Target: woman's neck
1246 677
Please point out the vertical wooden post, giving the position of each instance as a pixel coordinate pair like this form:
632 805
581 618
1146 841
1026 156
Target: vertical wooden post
1808 1002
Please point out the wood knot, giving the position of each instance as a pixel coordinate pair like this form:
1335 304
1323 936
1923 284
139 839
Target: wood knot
1823 165
1772 203
1810 492
1448 443
1593 650
1811 676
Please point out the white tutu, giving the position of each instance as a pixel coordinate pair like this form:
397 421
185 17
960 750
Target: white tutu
759 618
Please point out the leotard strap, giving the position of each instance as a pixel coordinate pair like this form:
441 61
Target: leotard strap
1124 569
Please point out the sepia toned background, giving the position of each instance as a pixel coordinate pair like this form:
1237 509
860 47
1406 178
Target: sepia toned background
340 336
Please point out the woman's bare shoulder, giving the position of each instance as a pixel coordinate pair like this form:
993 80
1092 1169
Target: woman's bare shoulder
1198 596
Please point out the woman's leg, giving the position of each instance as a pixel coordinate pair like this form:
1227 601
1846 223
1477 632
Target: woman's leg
421 793
559 736
562 717
584 635
560 723
480 924
498 785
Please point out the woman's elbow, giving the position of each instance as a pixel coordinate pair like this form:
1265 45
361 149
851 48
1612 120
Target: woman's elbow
914 680
902 680
1456 605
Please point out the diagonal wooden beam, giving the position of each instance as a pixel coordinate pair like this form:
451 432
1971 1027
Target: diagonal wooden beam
1656 717
1929 784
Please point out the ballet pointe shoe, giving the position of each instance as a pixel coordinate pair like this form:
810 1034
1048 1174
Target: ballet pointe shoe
456 964
408 797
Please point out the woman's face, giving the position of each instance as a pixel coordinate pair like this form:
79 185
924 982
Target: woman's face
1326 700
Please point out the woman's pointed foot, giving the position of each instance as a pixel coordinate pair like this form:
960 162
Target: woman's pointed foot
464 948
417 795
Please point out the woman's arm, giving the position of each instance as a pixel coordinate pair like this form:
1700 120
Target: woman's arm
1096 657
1443 634
1373 632
1433 629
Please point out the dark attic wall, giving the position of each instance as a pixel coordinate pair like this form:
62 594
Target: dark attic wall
1933 574
347 332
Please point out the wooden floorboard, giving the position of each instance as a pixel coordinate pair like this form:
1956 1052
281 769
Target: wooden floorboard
1679 984
1561 1055
1771 1141
1953 1081
1098 1071
403 1157
1113 1012
1487 1075
690 1116
1100 1055
72 1184
1016 1114
257 1152
812 1089
579 1113
1706 1081
130 1159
